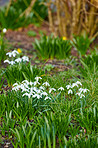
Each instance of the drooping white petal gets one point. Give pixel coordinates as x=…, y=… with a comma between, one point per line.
x=52, y=89
x=70, y=91
x=61, y=88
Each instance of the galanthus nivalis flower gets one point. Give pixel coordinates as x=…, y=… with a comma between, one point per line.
x=68, y=86
x=52, y=89
x=70, y=91
x=46, y=84
x=61, y=88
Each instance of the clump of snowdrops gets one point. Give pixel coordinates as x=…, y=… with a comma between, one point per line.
x=39, y=90
x=76, y=89
x=13, y=54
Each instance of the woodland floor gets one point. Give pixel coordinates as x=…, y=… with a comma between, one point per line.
x=20, y=39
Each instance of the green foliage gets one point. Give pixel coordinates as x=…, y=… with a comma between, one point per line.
x=63, y=120
x=50, y=47
x=16, y=9
x=81, y=43
x=31, y=33
x=2, y=49
x=20, y=72
x=90, y=66
x=48, y=67
x=91, y=61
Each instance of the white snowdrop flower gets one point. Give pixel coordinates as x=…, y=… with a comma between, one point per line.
x=78, y=93
x=26, y=85
x=7, y=61
x=12, y=62
x=25, y=58
x=9, y=54
x=85, y=90
x=25, y=90
x=47, y=98
x=46, y=84
x=35, y=83
x=38, y=91
x=35, y=89
x=81, y=96
x=52, y=89
x=36, y=95
x=44, y=94
x=18, y=60
x=74, y=84
x=22, y=86
x=78, y=83
x=31, y=83
x=15, y=84
x=68, y=86
x=61, y=88
x=37, y=78
x=15, y=52
x=16, y=88
x=32, y=90
x=42, y=88
x=4, y=30
x=25, y=82
x=27, y=94
x=70, y=91
x=81, y=90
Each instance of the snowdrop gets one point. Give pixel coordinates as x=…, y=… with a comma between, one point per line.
x=37, y=78
x=35, y=89
x=44, y=94
x=7, y=61
x=25, y=58
x=80, y=91
x=82, y=95
x=52, y=89
x=13, y=53
x=16, y=88
x=75, y=84
x=31, y=83
x=27, y=94
x=25, y=82
x=15, y=84
x=32, y=90
x=68, y=86
x=47, y=98
x=18, y=60
x=38, y=96
x=36, y=82
x=85, y=90
x=25, y=89
x=61, y=88
x=78, y=83
x=12, y=62
x=42, y=88
x=46, y=84
x=70, y=91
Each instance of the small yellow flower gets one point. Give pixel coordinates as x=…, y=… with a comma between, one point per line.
x=19, y=50
x=64, y=38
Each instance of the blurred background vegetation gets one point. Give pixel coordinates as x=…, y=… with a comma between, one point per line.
x=65, y=17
